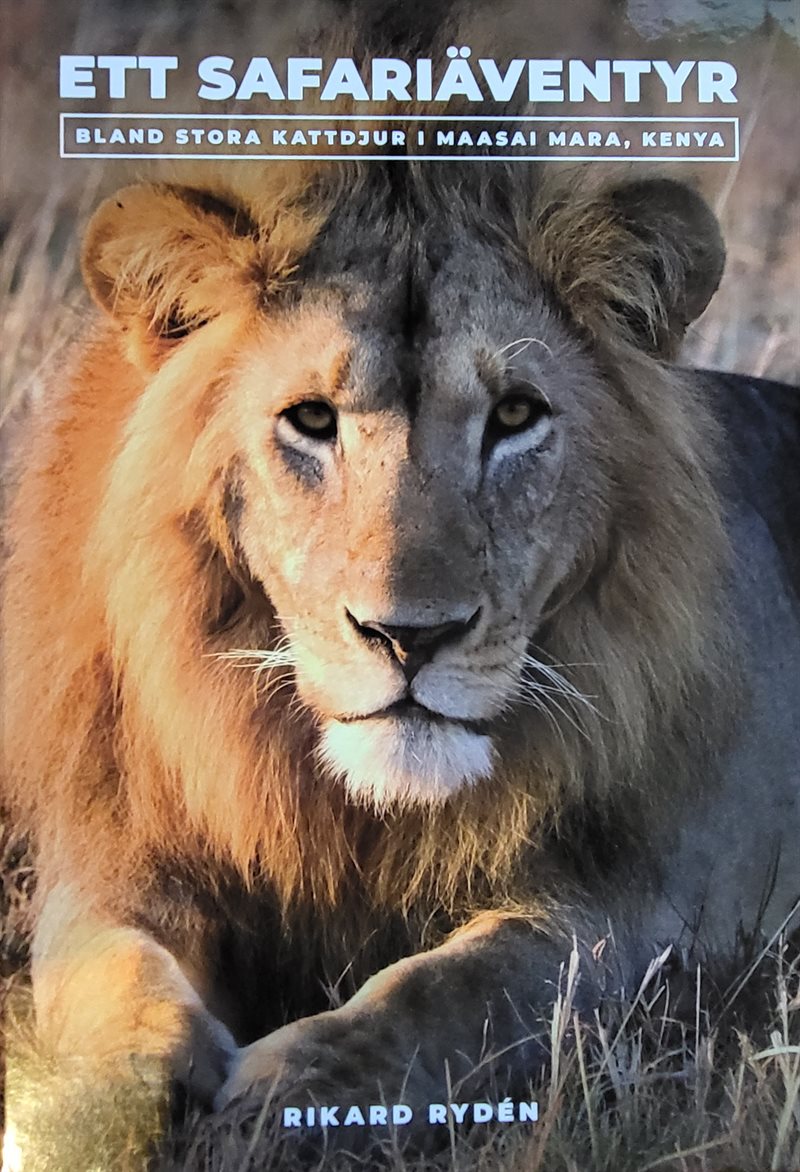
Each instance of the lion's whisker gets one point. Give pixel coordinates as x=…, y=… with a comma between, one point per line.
x=562, y=685
x=258, y=659
x=523, y=344
x=543, y=697
x=546, y=698
x=537, y=697
x=538, y=704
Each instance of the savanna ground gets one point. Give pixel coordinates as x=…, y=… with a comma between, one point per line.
x=695, y=1074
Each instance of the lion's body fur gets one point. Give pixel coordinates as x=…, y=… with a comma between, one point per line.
x=184, y=796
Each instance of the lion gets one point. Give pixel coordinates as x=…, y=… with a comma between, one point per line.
x=386, y=612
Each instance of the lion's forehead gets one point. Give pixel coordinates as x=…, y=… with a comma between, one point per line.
x=448, y=334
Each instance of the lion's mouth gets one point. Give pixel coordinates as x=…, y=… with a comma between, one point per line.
x=404, y=754
x=408, y=708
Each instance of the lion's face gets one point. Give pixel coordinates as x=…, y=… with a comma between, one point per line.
x=423, y=460
x=414, y=488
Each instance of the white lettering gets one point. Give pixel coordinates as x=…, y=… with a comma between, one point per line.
x=674, y=79
x=505, y=1111
x=715, y=81
x=344, y=79
x=390, y=79
x=501, y=86
x=215, y=73
x=76, y=77
x=260, y=78
x=458, y=79
x=158, y=68
x=117, y=72
x=544, y=81
x=302, y=73
x=582, y=81
x=632, y=71
x=424, y=80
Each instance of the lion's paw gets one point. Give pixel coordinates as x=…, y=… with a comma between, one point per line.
x=333, y=1058
x=204, y=1062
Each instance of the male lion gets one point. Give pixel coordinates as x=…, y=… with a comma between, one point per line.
x=382, y=602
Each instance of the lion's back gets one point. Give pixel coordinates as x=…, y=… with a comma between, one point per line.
x=739, y=838
x=762, y=424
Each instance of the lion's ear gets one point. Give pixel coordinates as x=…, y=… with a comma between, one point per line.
x=643, y=258
x=682, y=247
x=167, y=257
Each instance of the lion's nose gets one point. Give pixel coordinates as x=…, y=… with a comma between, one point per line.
x=414, y=646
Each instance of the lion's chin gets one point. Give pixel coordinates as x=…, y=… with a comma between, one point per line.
x=386, y=761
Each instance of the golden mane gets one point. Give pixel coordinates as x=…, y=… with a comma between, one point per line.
x=127, y=736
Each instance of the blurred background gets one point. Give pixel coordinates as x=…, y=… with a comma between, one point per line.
x=753, y=324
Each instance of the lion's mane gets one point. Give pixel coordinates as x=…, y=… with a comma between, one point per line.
x=127, y=736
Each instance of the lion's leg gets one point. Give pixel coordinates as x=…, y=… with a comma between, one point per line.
x=472, y=1013
x=108, y=993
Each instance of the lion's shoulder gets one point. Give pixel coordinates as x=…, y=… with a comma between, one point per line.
x=761, y=477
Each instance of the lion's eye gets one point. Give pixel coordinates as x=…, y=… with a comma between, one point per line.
x=514, y=413
x=313, y=419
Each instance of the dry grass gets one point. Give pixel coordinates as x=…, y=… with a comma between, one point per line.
x=640, y=1089
x=697, y=1073
x=671, y=1080
x=693, y=1074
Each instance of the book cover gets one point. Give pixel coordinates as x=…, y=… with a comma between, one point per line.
x=401, y=586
